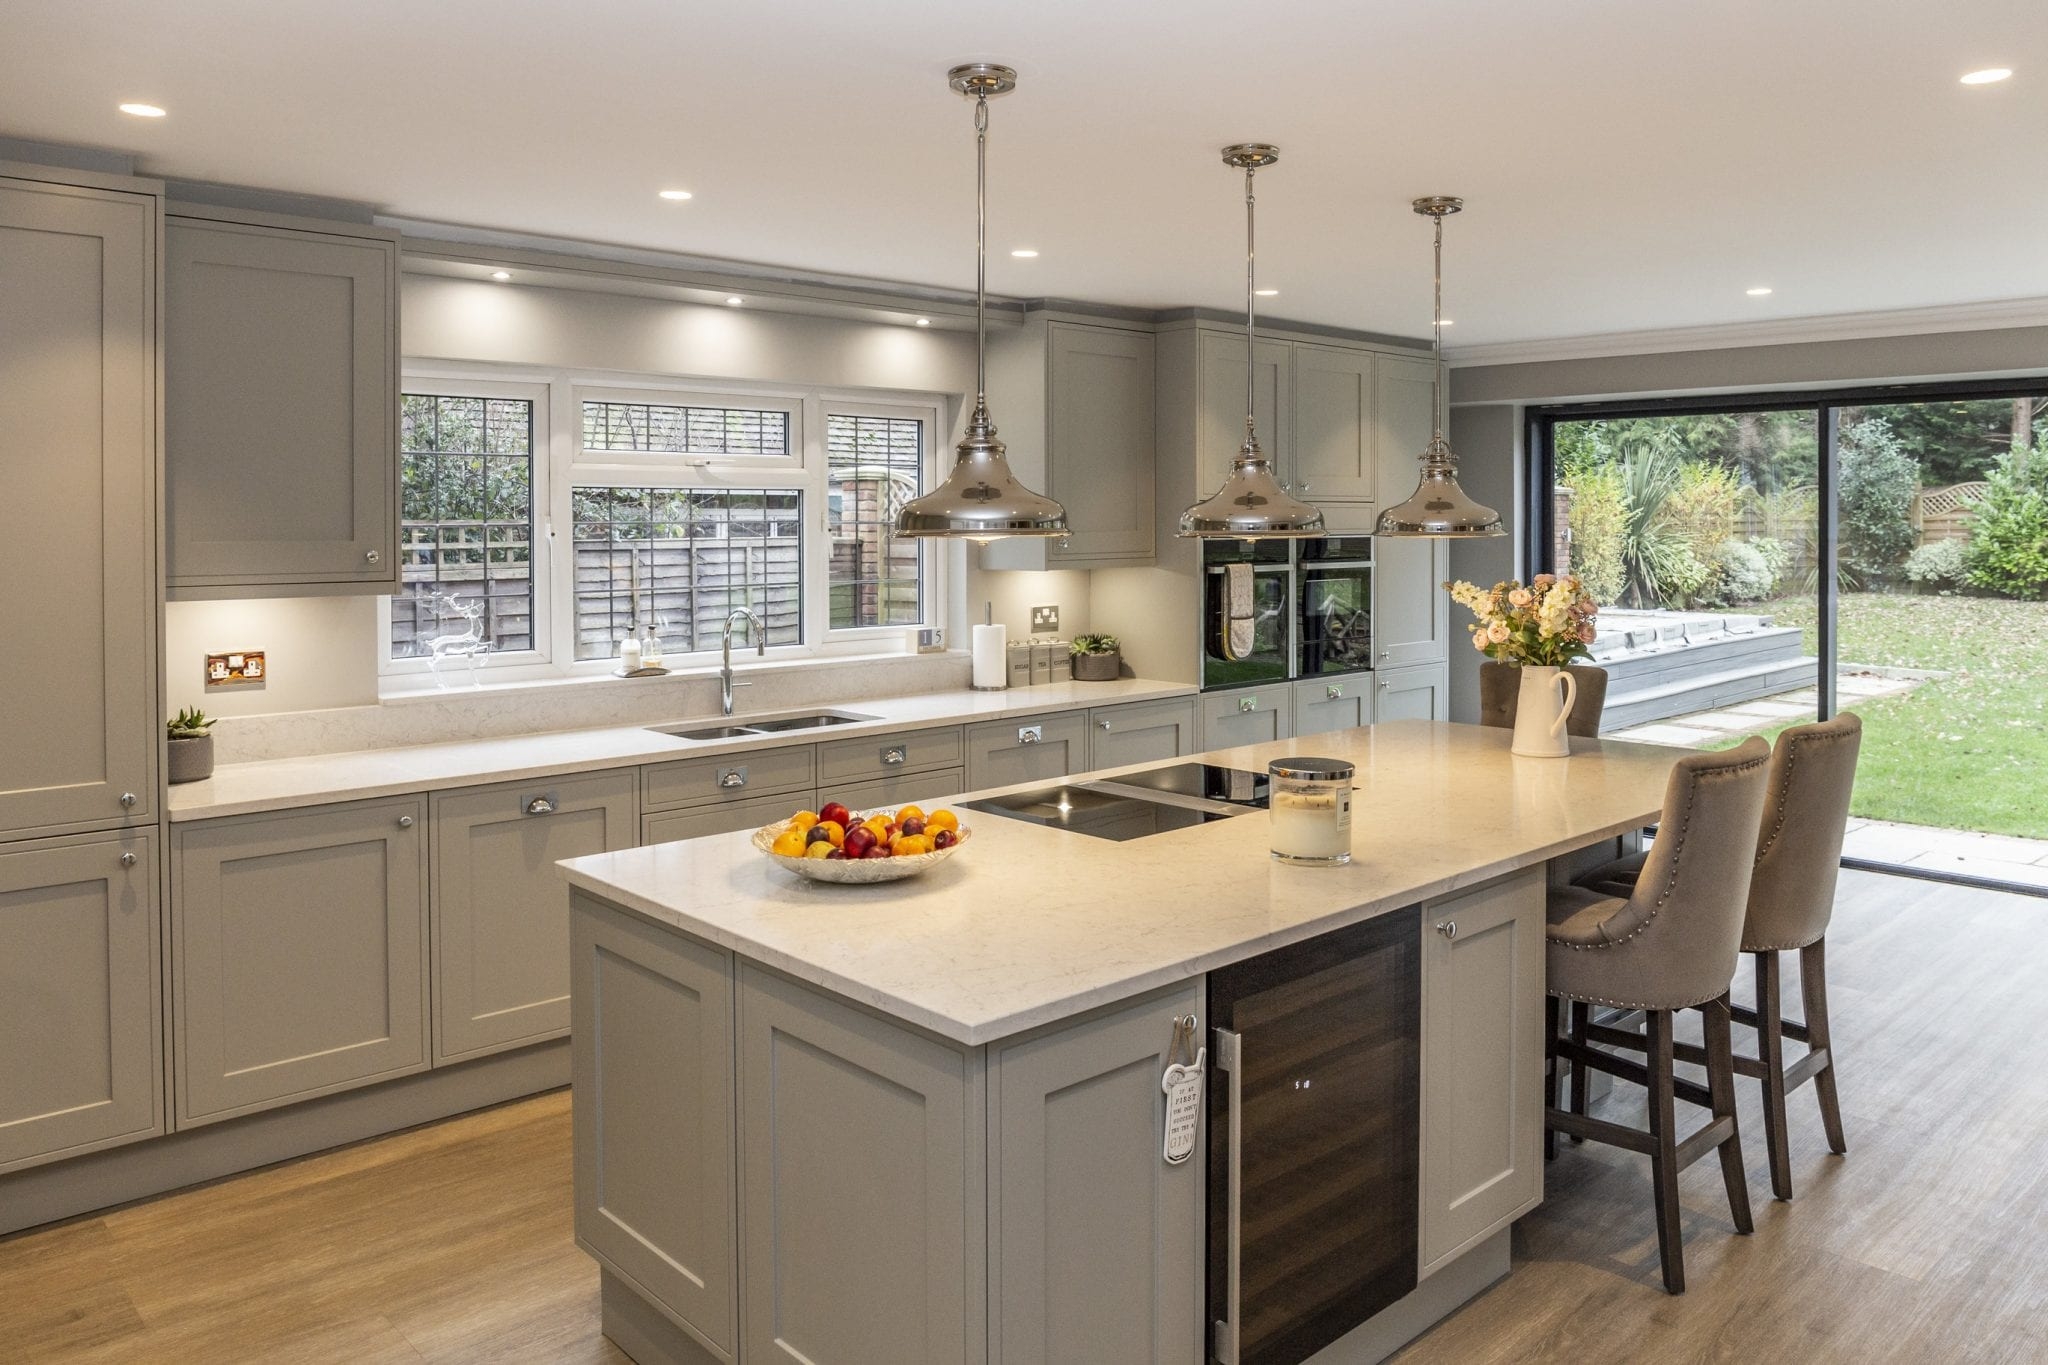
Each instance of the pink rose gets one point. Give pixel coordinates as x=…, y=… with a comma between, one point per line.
x=1521, y=597
x=1542, y=581
x=1479, y=640
x=1587, y=633
x=1497, y=632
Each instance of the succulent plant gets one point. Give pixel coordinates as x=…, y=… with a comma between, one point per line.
x=1094, y=644
x=190, y=723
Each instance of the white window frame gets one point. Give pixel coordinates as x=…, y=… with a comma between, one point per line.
x=465, y=383
x=561, y=463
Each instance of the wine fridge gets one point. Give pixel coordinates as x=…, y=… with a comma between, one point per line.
x=1313, y=1137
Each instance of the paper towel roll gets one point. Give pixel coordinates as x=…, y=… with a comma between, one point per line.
x=991, y=660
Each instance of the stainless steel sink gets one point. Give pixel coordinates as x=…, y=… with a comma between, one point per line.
x=767, y=725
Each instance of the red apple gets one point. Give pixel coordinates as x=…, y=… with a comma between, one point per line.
x=838, y=853
x=833, y=810
x=859, y=839
x=913, y=826
x=945, y=838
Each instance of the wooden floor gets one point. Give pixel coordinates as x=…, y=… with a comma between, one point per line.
x=1927, y=1243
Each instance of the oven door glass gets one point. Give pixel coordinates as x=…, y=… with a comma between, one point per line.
x=1336, y=618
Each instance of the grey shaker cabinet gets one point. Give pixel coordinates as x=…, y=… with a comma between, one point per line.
x=281, y=407
x=80, y=1005
x=1482, y=1063
x=1219, y=429
x=1412, y=693
x=1325, y=704
x=1139, y=732
x=1247, y=715
x=299, y=946
x=1002, y=753
x=861, y=1196
x=1333, y=426
x=500, y=918
x=78, y=460
x=1411, y=613
x=653, y=1070
x=1095, y=1241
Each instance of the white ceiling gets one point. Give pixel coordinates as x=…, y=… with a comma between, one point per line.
x=1626, y=164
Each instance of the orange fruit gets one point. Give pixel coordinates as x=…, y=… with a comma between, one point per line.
x=909, y=813
x=790, y=844
x=804, y=819
x=910, y=845
x=877, y=823
x=834, y=834
x=942, y=819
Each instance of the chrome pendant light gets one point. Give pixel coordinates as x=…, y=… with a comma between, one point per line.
x=1438, y=507
x=982, y=498
x=1251, y=505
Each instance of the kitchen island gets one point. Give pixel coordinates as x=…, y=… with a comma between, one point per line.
x=922, y=1121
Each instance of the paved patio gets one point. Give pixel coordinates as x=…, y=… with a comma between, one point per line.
x=2020, y=861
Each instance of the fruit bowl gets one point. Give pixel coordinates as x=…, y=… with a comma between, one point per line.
x=855, y=871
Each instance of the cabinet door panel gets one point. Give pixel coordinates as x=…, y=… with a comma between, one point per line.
x=1248, y=715
x=281, y=411
x=1412, y=693
x=1325, y=704
x=501, y=914
x=77, y=524
x=1482, y=1047
x=1099, y=434
x=1333, y=424
x=653, y=1071
x=854, y=1193
x=1001, y=753
x=1411, y=617
x=1097, y=1238
x=300, y=962
x=1143, y=731
x=80, y=1009
x=1220, y=431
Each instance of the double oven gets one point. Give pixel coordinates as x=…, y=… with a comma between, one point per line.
x=1309, y=604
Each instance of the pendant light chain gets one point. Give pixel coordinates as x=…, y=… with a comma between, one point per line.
x=981, y=256
x=1250, y=296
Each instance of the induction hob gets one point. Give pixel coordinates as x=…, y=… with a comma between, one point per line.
x=1135, y=805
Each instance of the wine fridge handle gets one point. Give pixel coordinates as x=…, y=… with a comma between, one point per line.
x=1229, y=1060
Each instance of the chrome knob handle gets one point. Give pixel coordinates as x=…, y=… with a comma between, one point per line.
x=1383, y=656
x=1247, y=705
x=127, y=860
x=1449, y=928
x=405, y=822
x=1335, y=691
x=1102, y=724
x=127, y=800
x=372, y=557
x=540, y=805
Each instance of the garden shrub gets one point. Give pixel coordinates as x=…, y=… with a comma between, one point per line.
x=1596, y=521
x=1747, y=571
x=1879, y=482
x=1939, y=566
x=2008, y=551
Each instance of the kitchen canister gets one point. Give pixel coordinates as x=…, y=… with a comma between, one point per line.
x=1311, y=810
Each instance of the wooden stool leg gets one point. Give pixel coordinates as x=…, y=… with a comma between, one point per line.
x=1770, y=1039
x=1813, y=987
x=1582, y=1078
x=1664, y=1149
x=1551, y=1065
x=1721, y=1087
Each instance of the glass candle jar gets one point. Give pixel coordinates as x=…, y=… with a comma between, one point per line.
x=1311, y=810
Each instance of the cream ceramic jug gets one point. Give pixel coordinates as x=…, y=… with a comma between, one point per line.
x=1541, y=709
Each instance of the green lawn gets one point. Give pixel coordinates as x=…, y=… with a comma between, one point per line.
x=1969, y=751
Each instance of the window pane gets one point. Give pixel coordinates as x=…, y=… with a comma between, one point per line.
x=876, y=464
x=467, y=525
x=684, y=558
x=677, y=430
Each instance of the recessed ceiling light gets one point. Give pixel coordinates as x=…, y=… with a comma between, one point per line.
x=1990, y=75
x=1448, y=323
x=677, y=195
x=1024, y=253
x=924, y=322
x=1265, y=293
x=501, y=274
x=151, y=111
x=1759, y=291
x=734, y=301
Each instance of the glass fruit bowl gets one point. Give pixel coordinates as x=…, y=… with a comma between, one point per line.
x=855, y=871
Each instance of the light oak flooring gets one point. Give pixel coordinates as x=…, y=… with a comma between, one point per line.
x=1927, y=1243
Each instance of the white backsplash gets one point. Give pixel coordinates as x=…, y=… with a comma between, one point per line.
x=463, y=713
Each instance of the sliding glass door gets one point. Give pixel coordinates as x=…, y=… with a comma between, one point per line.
x=1766, y=561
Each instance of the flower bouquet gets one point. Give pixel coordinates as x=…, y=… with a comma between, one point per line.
x=1549, y=623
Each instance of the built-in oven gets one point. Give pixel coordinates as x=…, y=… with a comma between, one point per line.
x=1333, y=606
x=1247, y=612
x=1313, y=1139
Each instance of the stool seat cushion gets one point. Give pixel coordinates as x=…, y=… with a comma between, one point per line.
x=1581, y=915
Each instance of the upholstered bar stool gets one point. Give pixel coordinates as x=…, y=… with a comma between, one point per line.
x=1670, y=944
x=1791, y=899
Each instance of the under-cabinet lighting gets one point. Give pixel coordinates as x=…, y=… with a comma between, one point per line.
x=501, y=274
x=924, y=322
x=734, y=301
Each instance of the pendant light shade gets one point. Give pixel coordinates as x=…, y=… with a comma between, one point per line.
x=1439, y=507
x=982, y=498
x=1252, y=504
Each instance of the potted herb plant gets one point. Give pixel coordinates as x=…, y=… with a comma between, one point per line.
x=1097, y=658
x=190, y=746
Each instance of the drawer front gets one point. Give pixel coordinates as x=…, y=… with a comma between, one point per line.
x=738, y=776
x=1322, y=705
x=722, y=819
x=924, y=788
x=909, y=751
x=1152, y=731
x=1001, y=753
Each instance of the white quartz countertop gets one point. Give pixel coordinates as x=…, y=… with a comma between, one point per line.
x=282, y=783
x=1028, y=925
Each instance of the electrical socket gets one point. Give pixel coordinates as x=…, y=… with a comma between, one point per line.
x=1045, y=620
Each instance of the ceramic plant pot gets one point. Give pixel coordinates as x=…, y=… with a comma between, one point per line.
x=1098, y=667
x=191, y=759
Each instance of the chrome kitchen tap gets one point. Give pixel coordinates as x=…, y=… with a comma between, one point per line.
x=725, y=682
